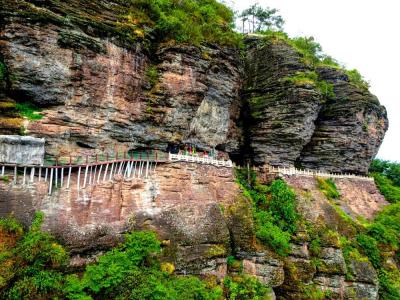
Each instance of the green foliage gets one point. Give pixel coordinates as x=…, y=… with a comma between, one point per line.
x=28, y=110
x=31, y=268
x=5, y=179
x=3, y=72
x=387, y=188
x=389, y=282
x=315, y=246
x=313, y=56
x=186, y=21
x=387, y=178
x=274, y=210
x=390, y=170
x=282, y=205
x=309, y=48
x=152, y=75
x=10, y=225
x=328, y=188
x=357, y=79
x=370, y=248
x=244, y=288
x=271, y=234
x=312, y=78
x=314, y=292
x=256, y=19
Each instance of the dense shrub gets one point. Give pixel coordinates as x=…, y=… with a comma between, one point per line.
x=33, y=266
x=328, y=188
x=357, y=79
x=244, y=288
x=186, y=21
x=387, y=187
x=390, y=170
x=312, y=78
x=28, y=110
x=387, y=178
x=274, y=210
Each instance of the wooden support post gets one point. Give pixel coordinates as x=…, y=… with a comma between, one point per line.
x=78, y=182
x=134, y=169
x=99, y=175
x=85, y=178
x=40, y=174
x=15, y=174
x=23, y=179
x=62, y=177
x=2, y=170
x=56, y=177
x=111, y=171
x=147, y=168
x=139, y=173
x=105, y=173
x=121, y=167
x=45, y=175
x=126, y=169
x=51, y=180
x=32, y=174
x=116, y=168
x=141, y=168
x=95, y=173
x=90, y=174
x=69, y=176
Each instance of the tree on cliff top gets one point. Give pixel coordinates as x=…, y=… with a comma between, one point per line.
x=258, y=19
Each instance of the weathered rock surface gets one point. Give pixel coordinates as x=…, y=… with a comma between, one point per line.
x=282, y=113
x=95, y=93
x=349, y=129
x=182, y=202
x=98, y=89
x=264, y=266
x=358, y=198
x=292, y=123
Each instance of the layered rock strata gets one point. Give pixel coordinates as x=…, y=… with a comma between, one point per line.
x=292, y=122
x=96, y=92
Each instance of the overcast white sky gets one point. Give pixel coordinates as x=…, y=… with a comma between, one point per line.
x=361, y=34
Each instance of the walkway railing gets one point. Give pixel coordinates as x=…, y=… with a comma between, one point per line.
x=94, y=169
x=294, y=171
x=200, y=160
x=76, y=160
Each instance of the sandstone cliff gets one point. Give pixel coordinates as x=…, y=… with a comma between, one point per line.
x=295, y=123
x=99, y=88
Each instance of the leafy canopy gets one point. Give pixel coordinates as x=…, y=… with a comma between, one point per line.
x=274, y=210
x=257, y=19
x=183, y=21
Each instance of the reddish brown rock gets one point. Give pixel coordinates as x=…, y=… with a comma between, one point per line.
x=176, y=202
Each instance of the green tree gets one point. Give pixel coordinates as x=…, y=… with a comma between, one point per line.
x=258, y=19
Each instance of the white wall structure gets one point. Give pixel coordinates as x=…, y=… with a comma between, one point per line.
x=22, y=150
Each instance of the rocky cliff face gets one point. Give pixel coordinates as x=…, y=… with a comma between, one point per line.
x=95, y=93
x=99, y=89
x=294, y=123
x=201, y=217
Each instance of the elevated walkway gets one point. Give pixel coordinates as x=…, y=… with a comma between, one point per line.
x=92, y=170
x=293, y=171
